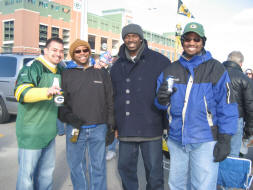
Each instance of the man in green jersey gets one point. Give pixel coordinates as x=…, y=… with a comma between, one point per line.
x=36, y=119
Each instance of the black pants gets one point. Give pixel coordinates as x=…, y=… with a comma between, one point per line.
x=153, y=162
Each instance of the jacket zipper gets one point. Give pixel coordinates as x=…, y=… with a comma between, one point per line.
x=187, y=95
x=208, y=114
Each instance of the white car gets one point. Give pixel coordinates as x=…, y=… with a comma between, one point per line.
x=10, y=65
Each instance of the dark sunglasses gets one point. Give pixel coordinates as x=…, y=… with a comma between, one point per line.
x=82, y=50
x=194, y=39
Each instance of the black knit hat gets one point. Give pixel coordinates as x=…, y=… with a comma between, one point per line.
x=132, y=29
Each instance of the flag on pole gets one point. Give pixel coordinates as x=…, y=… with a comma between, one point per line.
x=183, y=10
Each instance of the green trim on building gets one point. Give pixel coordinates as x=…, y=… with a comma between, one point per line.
x=160, y=39
x=44, y=7
x=104, y=23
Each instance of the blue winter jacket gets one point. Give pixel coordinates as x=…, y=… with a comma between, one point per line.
x=134, y=86
x=203, y=104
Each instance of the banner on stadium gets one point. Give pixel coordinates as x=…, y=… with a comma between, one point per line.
x=77, y=5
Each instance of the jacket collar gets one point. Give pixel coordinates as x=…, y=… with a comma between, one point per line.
x=195, y=61
x=231, y=64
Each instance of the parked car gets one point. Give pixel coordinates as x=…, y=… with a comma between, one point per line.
x=10, y=65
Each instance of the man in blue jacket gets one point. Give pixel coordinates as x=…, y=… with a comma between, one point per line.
x=139, y=124
x=202, y=113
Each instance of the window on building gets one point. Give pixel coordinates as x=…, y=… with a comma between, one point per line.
x=91, y=40
x=115, y=44
x=43, y=33
x=7, y=48
x=65, y=38
x=57, y=8
x=45, y=5
x=169, y=42
x=102, y=26
x=173, y=43
x=55, y=32
x=103, y=46
x=163, y=41
x=31, y=1
x=9, y=30
x=42, y=48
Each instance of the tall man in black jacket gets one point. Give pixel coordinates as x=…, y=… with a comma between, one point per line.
x=243, y=91
x=138, y=122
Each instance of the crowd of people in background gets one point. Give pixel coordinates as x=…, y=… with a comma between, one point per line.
x=125, y=102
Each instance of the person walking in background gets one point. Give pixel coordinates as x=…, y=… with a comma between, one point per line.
x=138, y=123
x=88, y=111
x=202, y=113
x=242, y=88
x=105, y=61
x=249, y=73
x=36, y=120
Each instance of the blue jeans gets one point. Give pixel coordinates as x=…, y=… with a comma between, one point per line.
x=192, y=166
x=91, y=140
x=36, y=168
x=60, y=127
x=236, y=139
x=112, y=147
x=152, y=158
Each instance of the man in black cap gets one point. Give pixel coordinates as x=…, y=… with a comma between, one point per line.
x=139, y=124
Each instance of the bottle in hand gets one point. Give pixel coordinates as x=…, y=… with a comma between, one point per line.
x=75, y=134
x=58, y=98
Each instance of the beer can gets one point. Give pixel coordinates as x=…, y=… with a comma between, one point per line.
x=170, y=81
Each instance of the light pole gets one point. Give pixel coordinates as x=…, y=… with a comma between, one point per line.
x=84, y=23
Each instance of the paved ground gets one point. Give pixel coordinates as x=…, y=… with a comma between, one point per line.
x=8, y=164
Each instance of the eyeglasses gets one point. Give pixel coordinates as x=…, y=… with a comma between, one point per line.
x=82, y=50
x=194, y=39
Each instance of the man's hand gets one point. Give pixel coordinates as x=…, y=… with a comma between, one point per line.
x=110, y=135
x=247, y=132
x=163, y=95
x=116, y=134
x=97, y=66
x=222, y=147
x=53, y=90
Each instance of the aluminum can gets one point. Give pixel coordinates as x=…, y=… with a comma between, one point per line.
x=170, y=81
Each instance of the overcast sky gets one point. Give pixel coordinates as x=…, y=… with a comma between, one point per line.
x=228, y=24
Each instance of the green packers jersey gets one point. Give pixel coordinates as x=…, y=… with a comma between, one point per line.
x=36, y=122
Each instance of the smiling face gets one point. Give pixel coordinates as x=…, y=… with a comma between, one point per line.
x=133, y=43
x=192, y=44
x=54, y=53
x=81, y=55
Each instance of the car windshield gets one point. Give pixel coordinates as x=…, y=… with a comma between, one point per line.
x=8, y=66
